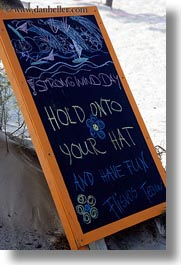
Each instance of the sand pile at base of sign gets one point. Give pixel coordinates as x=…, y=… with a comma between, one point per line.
x=28, y=218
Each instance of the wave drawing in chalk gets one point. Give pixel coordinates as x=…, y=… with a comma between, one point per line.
x=49, y=47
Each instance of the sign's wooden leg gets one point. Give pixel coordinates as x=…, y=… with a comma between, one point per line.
x=98, y=245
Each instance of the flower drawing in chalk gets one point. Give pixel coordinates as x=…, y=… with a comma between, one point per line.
x=86, y=208
x=96, y=127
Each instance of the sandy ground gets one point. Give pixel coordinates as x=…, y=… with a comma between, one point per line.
x=28, y=218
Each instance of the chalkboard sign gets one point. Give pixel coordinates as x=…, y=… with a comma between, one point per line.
x=111, y=174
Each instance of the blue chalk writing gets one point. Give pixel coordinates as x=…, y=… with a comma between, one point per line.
x=138, y=164
x=113, y=207
x=117, y=203
x=124, y=169
x=151, y=190
x=84, y=181
x=111, y=173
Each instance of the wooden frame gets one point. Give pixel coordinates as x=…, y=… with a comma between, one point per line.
x=77, y=239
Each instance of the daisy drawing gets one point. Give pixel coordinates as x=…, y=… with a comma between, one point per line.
x=96, y=127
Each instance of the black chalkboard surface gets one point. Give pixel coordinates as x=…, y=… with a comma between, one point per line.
x=96, y=138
